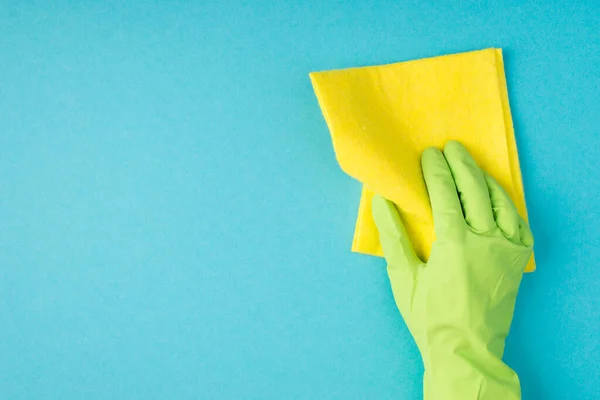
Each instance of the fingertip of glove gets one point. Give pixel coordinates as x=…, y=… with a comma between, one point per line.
x=379, y=205
x=454, y=146
x=431, y=154
x=383, y=211
x=526, y=234
x=377, y=199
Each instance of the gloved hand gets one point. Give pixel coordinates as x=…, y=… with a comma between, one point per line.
x=459, y=305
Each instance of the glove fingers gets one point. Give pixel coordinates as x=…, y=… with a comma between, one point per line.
x=395, y=242
x=505, y=213
x=472, y=189
x=447, y=211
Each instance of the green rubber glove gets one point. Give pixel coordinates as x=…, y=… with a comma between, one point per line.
x=459, y=305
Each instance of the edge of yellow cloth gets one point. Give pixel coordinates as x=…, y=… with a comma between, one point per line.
x=515, y=166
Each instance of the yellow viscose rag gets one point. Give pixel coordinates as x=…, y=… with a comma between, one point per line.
x=381, y=119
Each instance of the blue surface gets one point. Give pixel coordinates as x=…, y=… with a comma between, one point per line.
x=173, y=223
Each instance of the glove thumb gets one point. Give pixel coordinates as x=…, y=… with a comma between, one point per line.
x=397, y=247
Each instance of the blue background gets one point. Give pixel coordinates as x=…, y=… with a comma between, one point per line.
x=173, y=223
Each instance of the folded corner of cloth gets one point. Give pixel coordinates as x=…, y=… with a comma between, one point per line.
x=381, y=118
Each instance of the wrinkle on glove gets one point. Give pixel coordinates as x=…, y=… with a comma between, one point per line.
x=382, y=118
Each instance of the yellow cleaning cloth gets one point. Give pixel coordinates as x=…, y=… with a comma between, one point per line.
x=382, y=118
